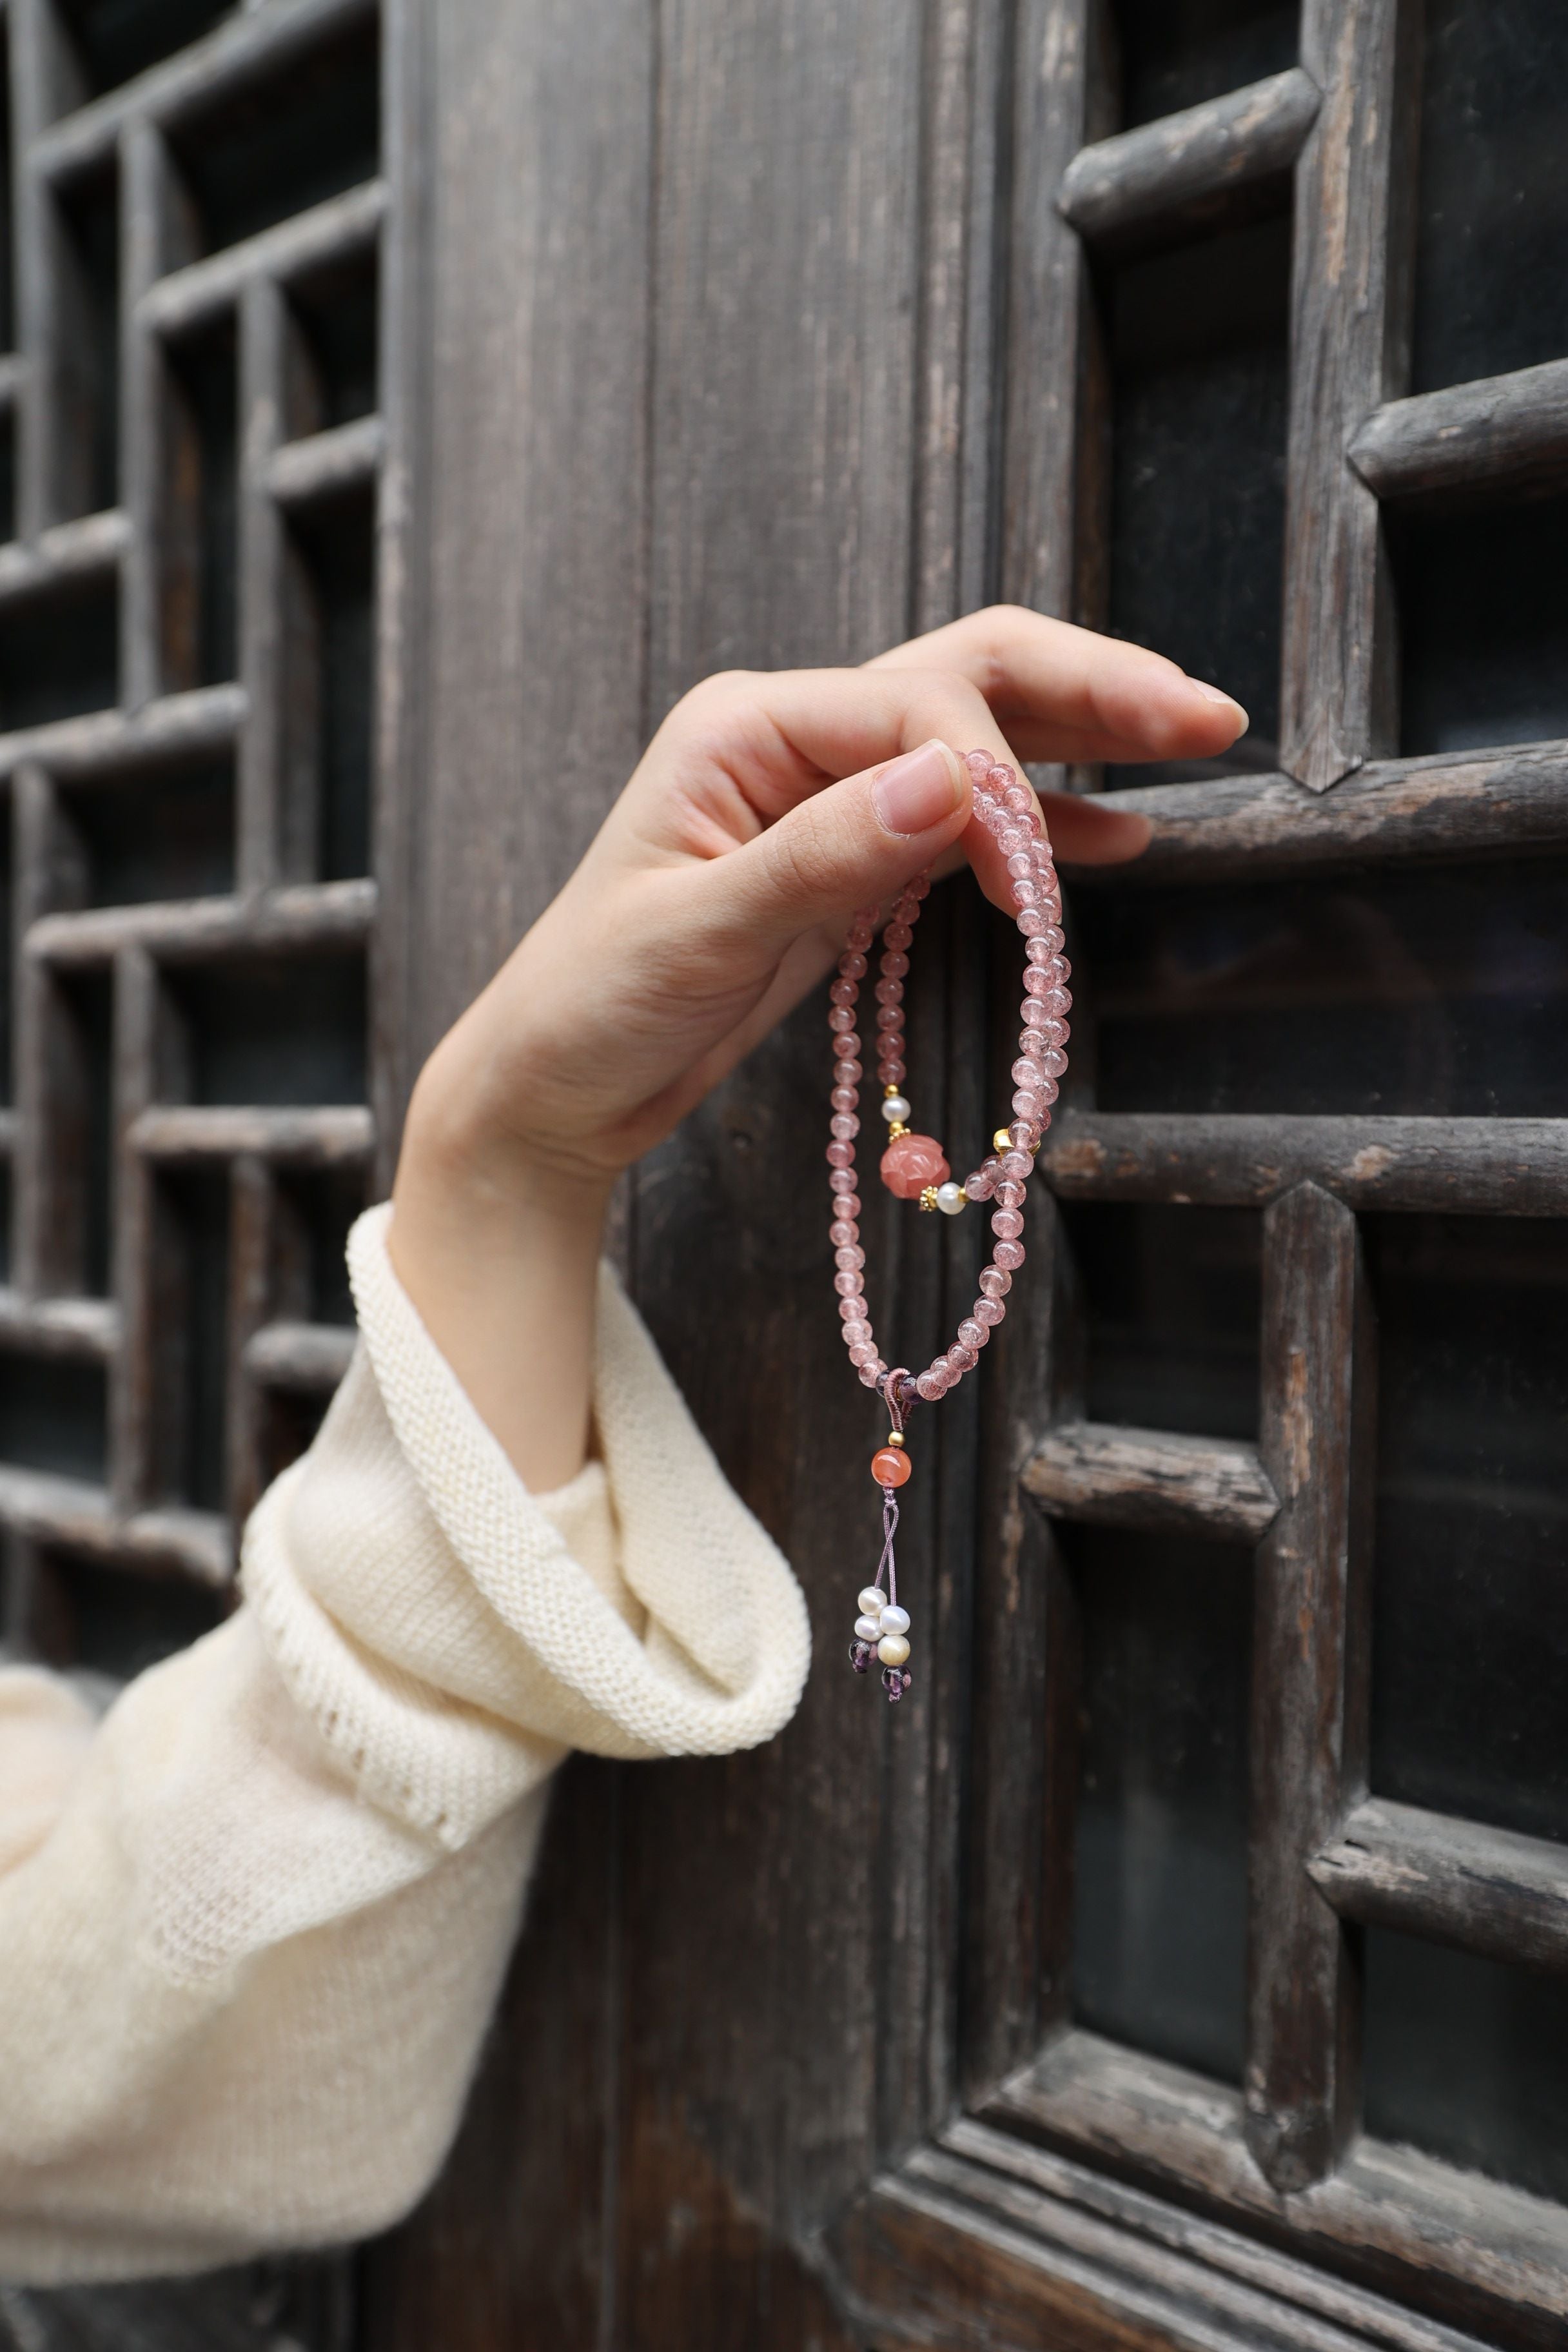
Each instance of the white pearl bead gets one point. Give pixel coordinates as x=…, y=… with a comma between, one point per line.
x=870, y=1599
x=868, y=1629
x=894, y=1107
x=894, y=1620
x=951, y=1198
x=892, y=1649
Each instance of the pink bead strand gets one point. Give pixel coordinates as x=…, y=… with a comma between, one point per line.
x=1006, y=808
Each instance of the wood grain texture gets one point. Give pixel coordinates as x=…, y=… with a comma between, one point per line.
x=1150, y=1478
x=1462, y=1882
x=1506, y=435
x=1474, y=2254
x=782, y=530
x=1465, y=803
x=1500, y=1167
x=1175, y=177
x=1337, y=688
x=1311, y=1635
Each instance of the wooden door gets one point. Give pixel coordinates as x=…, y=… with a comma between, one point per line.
x=1092, y=2001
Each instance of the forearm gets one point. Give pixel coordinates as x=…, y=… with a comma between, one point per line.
x=499, y=1256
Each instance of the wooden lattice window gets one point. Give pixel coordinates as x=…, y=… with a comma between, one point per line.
x=191, y=449
x=1270, y=1865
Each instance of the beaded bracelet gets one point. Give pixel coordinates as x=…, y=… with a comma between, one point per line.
x=914, y=1167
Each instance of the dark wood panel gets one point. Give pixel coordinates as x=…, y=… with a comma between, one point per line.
x=789, y=187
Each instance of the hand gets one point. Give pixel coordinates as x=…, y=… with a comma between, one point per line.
x=716, y=895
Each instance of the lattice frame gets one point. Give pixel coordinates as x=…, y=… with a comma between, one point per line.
x=119, y=1302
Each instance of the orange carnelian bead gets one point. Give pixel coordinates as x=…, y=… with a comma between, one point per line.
x=890, y=1467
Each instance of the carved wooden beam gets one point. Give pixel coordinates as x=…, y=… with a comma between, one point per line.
x=1168, y=174
x=1150, y=1478
x=1507, y=432
x=1484, y=1890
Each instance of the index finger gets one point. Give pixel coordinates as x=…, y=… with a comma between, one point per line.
x=1067, y=693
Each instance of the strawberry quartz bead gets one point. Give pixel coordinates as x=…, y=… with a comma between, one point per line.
x=910, y=1163
x=890, y=1465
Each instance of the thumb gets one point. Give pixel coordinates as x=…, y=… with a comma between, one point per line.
x=852, y=843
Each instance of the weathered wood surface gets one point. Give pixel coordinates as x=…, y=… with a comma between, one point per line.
x=1306, y=2292
x=1047, y=307
x=1150, y=1478
x=112, y=744
x=1173, y=177
x=336, y=1135
x=1311, y=1634
x=1252, y=826
x=1474, y=2253
x=300, y=919
x=84, y=1329
x=984, y=2239
x=1501, y=1167
x=224, y=63
x=512, y=707
x=345, y=458
x=310, y=1358
x=1027, y=1689
x=191, y=297
x=67, y=553
x=1508, y=433
x=1336, y=706
x=1462, y=1882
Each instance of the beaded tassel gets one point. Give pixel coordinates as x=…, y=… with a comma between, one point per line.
x=882, y=1626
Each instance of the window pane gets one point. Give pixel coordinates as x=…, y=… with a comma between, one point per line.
x=1422, y=989
x=1176, y=53
x=1200, y=385
x=1483, y=618
x=1469, y=2060
x=1491, y=275
x=1471, y=1583
x=1160, y=1909
x=1173, y=1300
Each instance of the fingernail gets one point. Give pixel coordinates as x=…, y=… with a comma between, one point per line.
x=1213, y=694
x=919, y=790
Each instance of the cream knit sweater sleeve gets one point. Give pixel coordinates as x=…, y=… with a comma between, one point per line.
x=253, y=1924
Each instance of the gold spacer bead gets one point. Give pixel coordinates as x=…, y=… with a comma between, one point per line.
x=895, y=1436
x=928, y=1197
x=888, y=1092
x=895, y=1129
x=999, y=1141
